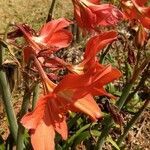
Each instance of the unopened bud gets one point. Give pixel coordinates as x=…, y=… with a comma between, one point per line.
x=141, y=37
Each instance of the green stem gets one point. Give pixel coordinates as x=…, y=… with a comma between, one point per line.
x=125, y=93
x=6, y=94
x=49, y=17
x=106, y=129
x=140, y=84
x=35, y=96
x=104, y=134
x=21, y=129
x=132, y=121
x=24, y=109
x=7, y=100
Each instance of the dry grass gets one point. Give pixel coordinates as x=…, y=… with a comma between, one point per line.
x=32, y=12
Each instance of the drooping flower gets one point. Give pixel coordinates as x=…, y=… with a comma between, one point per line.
x=54, y=34
x=93, y=46
x=91, y=15
x=49, y=116
x=51, y=37
x=136, y=10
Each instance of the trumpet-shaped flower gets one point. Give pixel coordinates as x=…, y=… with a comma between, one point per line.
x=51, y=37
x=73, y=93
x=135, y=10
x=89, y=15
x=44, y=121
x=49, y=114
x=93, y=46
x=91, y=82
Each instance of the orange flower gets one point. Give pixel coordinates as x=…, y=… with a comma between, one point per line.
x=44, y=121
x=91, y=82
x=135, y=10
x=49, y=114
x=89, y=15
x=93, y=46
x=51, y=37
x=74, y=92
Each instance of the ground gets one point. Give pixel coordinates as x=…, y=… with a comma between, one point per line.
x=31, y=12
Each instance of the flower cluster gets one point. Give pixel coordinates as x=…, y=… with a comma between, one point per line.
x=76, y=91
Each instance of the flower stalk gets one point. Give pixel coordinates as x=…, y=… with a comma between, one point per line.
x=49, y=17
x=140, y=84
x=6, y=94
x=24, y=109
x=104, y=134
x=35, y=95
x=7, y=101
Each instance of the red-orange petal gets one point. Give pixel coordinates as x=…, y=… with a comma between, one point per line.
x=53, y=34
x=88, y=106
x=32, y=119
x=94, y=1
x=54, y=26
x=60, y=39
x=43, y=137
x=109, y=77
x=97, y=43
x=107, y=14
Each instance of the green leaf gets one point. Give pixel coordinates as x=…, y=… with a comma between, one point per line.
x=1, y=143
x=128, y=71
x=110, y=58
x=85, y=136
x=70, y=141
x=114, y=144
x=58, y=147
x=73, y=119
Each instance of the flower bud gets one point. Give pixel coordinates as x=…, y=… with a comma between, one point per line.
x=141, y=37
